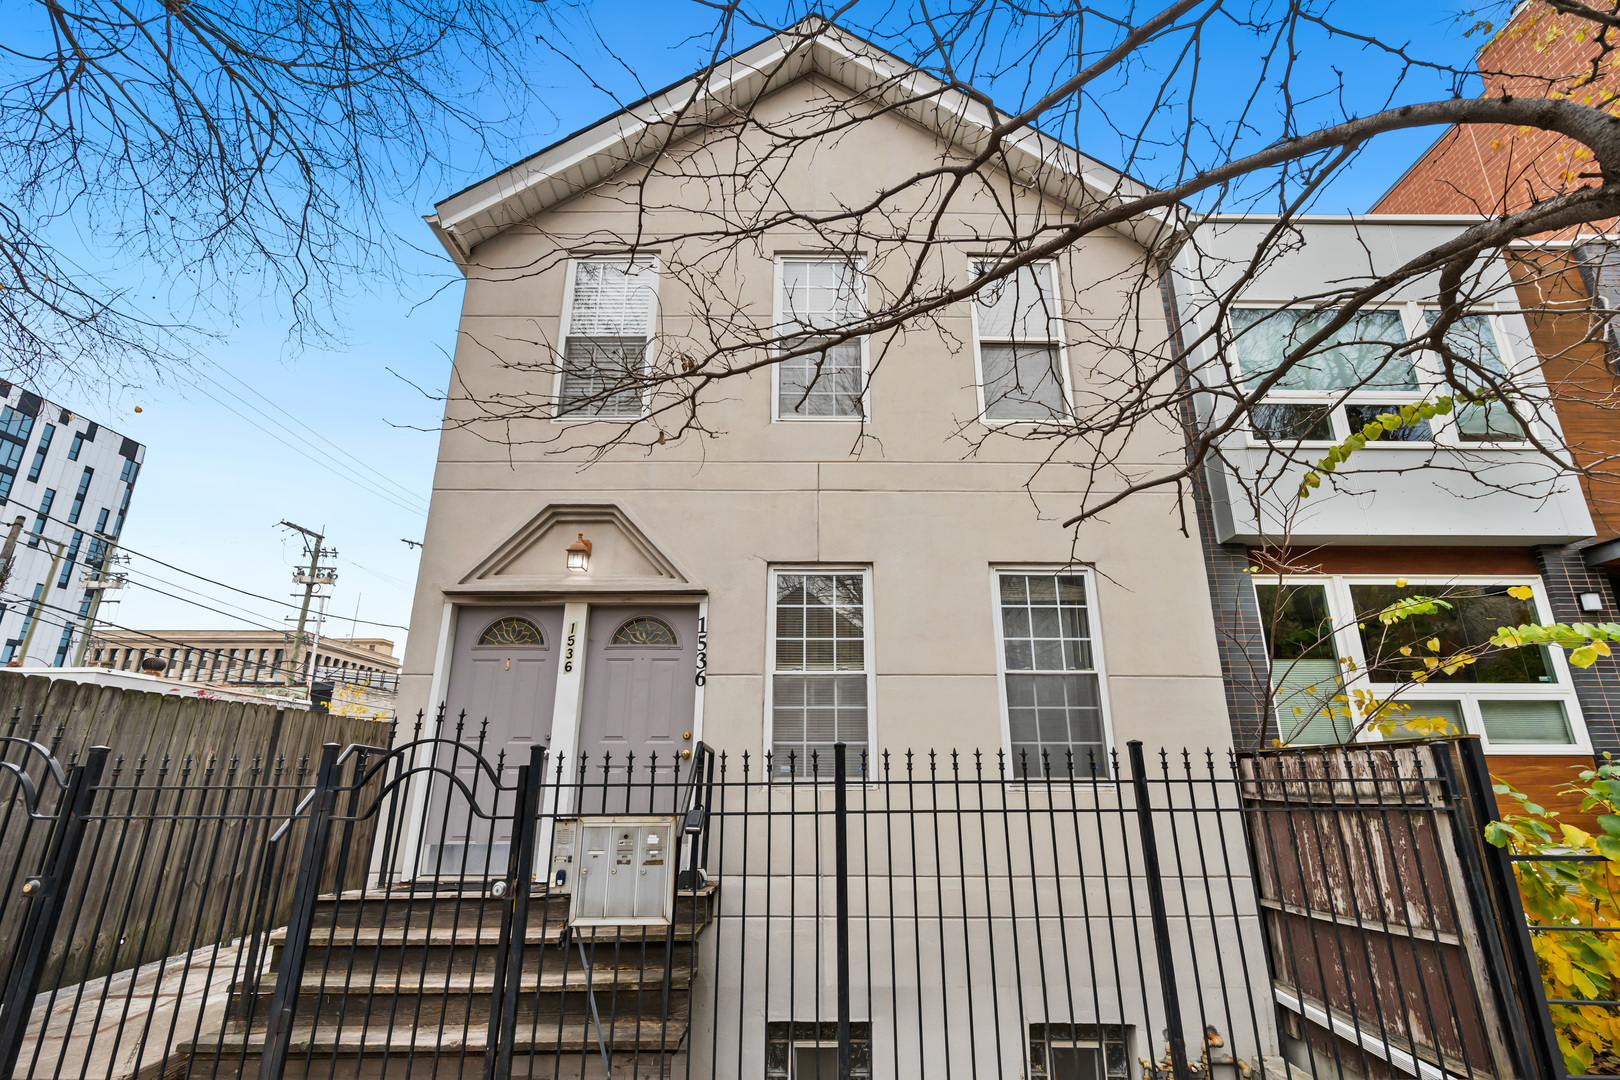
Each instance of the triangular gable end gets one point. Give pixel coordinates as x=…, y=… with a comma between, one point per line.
x=584, y=159
x=534, y=558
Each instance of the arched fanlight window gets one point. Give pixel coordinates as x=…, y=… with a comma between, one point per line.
x=513, y=631
x=645, y=630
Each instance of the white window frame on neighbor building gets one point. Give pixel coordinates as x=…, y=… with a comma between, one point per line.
x=1055, y=337
x=1347, y=643
x=1099, y=666
x=565, y=328
x=771, y=670
x=1427, y=374
x=779, y=321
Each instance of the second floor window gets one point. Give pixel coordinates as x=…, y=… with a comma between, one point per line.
x=607, y=325
x=817, y=295
x=1364, y=368
x=1020, y=350
x=44, y=515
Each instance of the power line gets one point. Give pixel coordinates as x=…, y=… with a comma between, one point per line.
x=408, y=492
x=180, y=569
x=206, y=607
x=329, y=466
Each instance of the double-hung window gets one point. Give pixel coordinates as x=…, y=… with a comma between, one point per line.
x=1051, y=676
x=820, y=675
x=607, y=325
x=1365, y=368
x=1016, y=324
x=815, y=296
x=1518, y=700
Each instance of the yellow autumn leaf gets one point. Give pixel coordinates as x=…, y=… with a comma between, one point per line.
x=1434, y=644
x=1520, y=592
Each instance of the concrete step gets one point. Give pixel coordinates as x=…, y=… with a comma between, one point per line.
x=455, y=999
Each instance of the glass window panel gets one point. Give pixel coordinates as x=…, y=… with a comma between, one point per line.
x=612, y=299
x=820, y=293
x=1066, y=719
x=1449, y=711
x=1357, y=355
x=1490, y=421
x=1524, y=722
x=1022, y=382
x=1296, y=621
x=818, y=631
x=1473, y=613
x=1359, y=416
x=827, y=383
x=1474, y=337
x=1019, y=306
x=1272, y=421
x=602, y=377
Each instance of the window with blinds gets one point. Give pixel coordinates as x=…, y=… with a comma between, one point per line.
x=817, y=295
x=1020, y=358
x=819, y=674
x=1052, y=680
x=606, y=328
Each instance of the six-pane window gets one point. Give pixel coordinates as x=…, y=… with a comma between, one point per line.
x=819, y=673
x=607, y=328
x=1054, y=697
x=1020, y=359
x=818, y=295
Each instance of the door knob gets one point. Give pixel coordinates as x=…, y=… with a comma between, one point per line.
x=686, y=753
x=686, y=734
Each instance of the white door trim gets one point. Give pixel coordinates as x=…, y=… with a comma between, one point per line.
x=411, y=852
x=570, y=701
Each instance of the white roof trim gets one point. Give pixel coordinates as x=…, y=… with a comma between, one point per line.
x=468, y=218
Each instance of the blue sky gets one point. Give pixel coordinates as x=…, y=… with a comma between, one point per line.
x=214, y=486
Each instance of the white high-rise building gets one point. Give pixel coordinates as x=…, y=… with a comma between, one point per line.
x=69, y=479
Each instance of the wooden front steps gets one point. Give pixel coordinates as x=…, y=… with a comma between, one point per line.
x=403, y=980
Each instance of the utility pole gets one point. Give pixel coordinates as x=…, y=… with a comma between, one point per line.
x=316, y=574
x=10, y=549
x=97, y=581
x=39, y=601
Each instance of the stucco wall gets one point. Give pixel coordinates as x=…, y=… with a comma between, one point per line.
x=928, y=498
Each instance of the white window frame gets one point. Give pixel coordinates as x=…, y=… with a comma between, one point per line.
x=1426, y=367
x=1347, y=642
x=1099, y=663
x=565, y=325
x=779, y=325
x=770, y=661
x=1058, y=340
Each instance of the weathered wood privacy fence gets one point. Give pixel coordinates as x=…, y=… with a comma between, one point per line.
x=1166, y=915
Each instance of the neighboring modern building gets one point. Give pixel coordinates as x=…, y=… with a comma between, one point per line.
x=1562, y=280
x=1463, y=506
x=69, y=481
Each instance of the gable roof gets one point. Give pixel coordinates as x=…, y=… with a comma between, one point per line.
x=811, y=46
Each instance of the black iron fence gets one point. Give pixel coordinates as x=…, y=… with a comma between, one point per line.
x=428, y=908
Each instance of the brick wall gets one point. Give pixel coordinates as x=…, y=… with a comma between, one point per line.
x=1490, y=169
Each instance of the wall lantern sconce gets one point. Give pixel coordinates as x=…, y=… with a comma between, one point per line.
x=1591, y=601
x=579, y=555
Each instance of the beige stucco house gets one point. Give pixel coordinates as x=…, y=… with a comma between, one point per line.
x=874, y=556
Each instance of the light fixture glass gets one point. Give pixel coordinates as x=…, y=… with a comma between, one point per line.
x=1591, y=601
x=579, y=555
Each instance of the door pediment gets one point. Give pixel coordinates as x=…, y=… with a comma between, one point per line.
x=534, y=557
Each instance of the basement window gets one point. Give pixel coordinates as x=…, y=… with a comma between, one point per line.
x=808, y=1049
x=1078, y=1052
